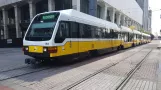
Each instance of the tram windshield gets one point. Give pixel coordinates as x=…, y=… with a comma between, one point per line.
x=42, y=27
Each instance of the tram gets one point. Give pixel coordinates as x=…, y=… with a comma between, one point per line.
x=69, y=34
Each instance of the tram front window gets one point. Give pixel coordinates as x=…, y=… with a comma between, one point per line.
x=42, y=27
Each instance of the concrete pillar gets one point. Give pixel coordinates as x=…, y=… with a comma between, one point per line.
x=138, y=26
x=93, y=7
x=118, y=19
x=17, y=21
x=112, y=15
x=32, y=9
x=132, y=23
x=5, y=22
x=76, y=4
x=123, y=20
x=126, y=21
x=51, y=5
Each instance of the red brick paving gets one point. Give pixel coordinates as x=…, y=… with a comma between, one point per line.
x=5, y=88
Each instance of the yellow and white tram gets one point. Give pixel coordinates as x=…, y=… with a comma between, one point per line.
x=127, y=37
x=146, y=38
x=137, y=37
x=69, y=34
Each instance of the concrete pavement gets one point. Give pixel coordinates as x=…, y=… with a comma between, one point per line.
x=60, y=77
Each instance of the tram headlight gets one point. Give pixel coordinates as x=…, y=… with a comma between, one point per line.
x=26, y=48
x=45, y=49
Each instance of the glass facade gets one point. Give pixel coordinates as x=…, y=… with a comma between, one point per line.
x=98, y=11
x=84, y=6
x=42, y=6
x=63, y=4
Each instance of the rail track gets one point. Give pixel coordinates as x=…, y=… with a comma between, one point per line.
x=125, y=80
x=25, y=70
x=17, y=72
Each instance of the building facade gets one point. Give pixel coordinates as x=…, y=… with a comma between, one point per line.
x=150, y=21
x=15, y=15
x=146, y=19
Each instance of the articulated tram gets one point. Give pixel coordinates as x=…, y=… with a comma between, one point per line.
x=71, y=34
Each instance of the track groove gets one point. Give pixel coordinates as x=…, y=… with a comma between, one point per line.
x=18, y=75
x=95, y=73
x=132, y=72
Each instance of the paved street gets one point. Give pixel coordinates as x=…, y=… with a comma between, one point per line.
x=11, y=58
x=106, y=72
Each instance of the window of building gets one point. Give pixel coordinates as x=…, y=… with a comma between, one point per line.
x=115, y=18
x=108, y=15
x=84, y=6
x=1, y=34
x=98, y=11
x=41, y=6
x=63, y=4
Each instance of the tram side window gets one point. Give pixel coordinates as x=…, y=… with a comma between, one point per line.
x=74, y=30
x=99, y=32
x=85, y=31
x=107, y=33
x=114, y=34
x=103, y=31
x=88, y=31
x=63, y=32
x=93, y=31
x=96, y=33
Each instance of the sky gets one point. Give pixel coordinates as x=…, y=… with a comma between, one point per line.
x=155, y=6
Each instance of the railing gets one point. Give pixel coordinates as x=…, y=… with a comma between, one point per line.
x=11, y=21
x=25, y=21
x=1, y=22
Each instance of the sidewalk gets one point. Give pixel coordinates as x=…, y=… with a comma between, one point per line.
x=159, y=71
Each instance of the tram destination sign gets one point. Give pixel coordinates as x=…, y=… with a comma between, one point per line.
x=48, y=17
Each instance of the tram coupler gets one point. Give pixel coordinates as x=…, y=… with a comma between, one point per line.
x=31, y=61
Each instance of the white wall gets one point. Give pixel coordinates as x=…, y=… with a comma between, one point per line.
x=128, y=7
